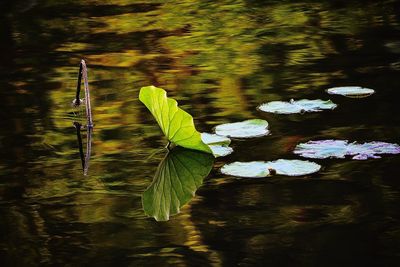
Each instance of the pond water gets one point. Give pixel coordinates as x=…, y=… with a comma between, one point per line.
x=220, y=60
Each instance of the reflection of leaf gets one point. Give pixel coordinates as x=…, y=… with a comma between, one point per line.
x=243, y=129
x=323, y=149
x=299, y=106
x=259, y=169
x=176, y=180
x=351, y=91
x=176, y=124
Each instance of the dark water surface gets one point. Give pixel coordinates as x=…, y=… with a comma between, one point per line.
x=220, y=60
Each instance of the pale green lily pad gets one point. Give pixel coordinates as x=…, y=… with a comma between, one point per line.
x=176, y=124
x=214, y=139
x=221, y=151
x=218, y=144
x=260, y=169
x=294, y=167
x=256, y=169
x=351, y=91
x=177, y=178
x=297, y=106
x=244, y=129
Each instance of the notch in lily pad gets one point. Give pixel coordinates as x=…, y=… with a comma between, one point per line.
x=261, y=169
x=297, y=106
x=351, y=91
x=323, y=149
x=218, y=144
x=244, y=129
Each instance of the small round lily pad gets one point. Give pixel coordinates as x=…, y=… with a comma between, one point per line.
x=244, y=129
x=260, y=169
x=297, y=106
x=351, y=91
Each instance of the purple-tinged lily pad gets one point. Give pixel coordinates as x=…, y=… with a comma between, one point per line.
x=260, y=169
x=297, y=106
x=341, y=148
x=351, y=91
x=372, y=150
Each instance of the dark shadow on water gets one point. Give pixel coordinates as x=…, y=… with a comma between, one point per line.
x=85, y=158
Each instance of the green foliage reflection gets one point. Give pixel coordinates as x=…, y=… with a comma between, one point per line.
x=177, y=178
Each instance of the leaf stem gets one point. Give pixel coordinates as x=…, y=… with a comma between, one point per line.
x=168, y=146
x=77, y=102
x=87, y=95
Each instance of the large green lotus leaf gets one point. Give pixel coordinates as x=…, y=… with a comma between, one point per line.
x=176, y=124
x=177, y=178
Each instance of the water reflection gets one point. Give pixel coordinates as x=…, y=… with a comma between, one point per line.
x=85, y=158
x=220, y=59
x=177, y=178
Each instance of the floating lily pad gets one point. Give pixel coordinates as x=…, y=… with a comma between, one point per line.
x=322, y=149
x=351, y=91
x=214, y=139
x=341, y=148
x=259, y=169
x=221, y=151
x=299, y=106
x=293, y=167
x=372, y=150
x=219, y=144
x=244, y=129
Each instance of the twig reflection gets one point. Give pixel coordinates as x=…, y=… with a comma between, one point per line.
x=85, y=158
x=89, y=126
